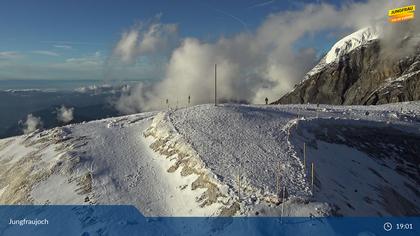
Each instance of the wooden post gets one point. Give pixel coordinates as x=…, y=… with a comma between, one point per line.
x=215, y=84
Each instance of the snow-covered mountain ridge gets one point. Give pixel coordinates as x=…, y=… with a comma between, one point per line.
x=225, y=160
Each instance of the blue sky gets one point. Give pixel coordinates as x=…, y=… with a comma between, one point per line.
x=38, y=39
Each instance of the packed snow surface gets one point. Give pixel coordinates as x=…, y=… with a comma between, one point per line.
x=226, y=160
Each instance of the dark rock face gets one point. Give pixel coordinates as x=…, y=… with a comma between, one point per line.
x=364, y=76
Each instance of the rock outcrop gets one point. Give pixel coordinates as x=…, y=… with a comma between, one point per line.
x=366, y=75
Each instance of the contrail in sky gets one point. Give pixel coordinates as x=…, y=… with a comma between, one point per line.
x=262, y=4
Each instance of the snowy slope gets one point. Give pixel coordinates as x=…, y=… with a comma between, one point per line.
x=225, y=160
x=100, y=162
x=241, y=165
x=261, y=144
x=362, y=168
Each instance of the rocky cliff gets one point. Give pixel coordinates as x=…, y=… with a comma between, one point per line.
x=357, y=70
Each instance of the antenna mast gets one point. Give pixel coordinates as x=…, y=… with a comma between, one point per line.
x=215, y=84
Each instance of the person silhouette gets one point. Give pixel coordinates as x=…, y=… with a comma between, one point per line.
x=266, y=101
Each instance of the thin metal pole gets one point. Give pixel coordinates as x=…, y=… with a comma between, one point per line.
x=304, y=157
x=282, y=203
x=277, y=185
x=239, y=184
x=215, y=84
x=312, y=179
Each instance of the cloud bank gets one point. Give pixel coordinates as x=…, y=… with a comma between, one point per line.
x=251, y=65
x=64, y=114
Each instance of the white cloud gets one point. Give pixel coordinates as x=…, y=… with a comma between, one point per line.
x=84, y=67
x=126, y=47
x=65, y=114
x=46, y=53
x=62, y=42
x=144, y=39
x=31, y=124
x=94, y=59
x=133, y=100
x=89, y=66
x=9, y=55
x=252, y=66
x=63, y=46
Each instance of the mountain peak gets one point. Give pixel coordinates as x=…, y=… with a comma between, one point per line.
x=345, y=46
x=350, y=42
x=367, y=75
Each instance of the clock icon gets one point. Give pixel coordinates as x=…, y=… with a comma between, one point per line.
x=387, y=226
